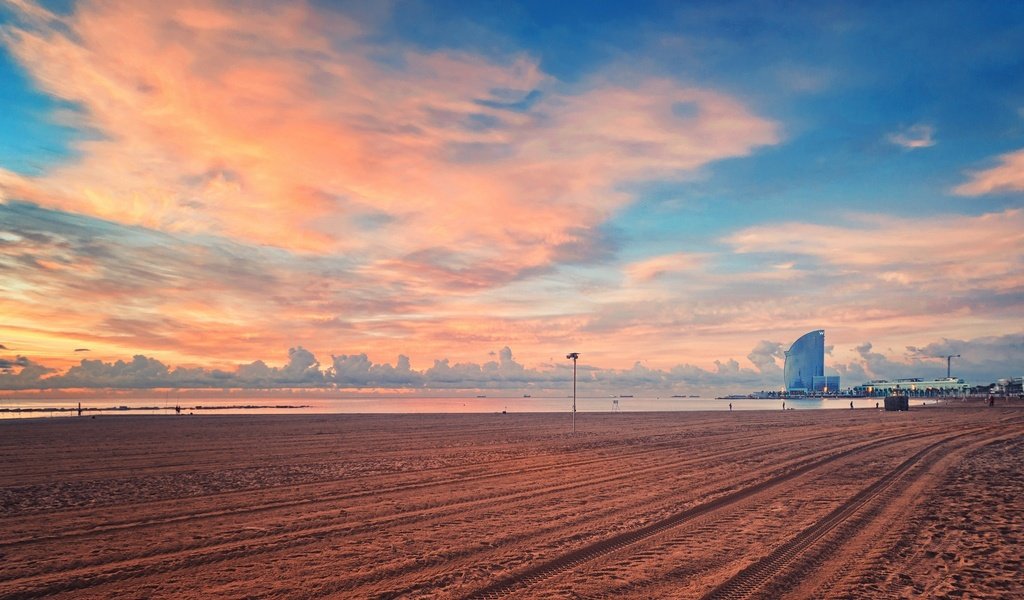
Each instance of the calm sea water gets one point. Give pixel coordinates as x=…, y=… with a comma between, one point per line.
x=407, y=404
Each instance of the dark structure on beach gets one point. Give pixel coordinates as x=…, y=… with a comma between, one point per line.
x=897, y=402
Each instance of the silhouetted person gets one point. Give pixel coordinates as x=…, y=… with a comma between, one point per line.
x=876, y=406
x=79, y=409
x=783, y=405
x=730, y=406
x=851, y=404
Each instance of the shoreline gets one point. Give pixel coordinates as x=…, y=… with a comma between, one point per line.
x=22, y=414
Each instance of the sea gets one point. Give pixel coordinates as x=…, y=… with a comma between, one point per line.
x=21, y=408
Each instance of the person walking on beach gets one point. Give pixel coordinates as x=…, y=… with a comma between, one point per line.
x=783, y=405
x=851, y=404
x=730, y=406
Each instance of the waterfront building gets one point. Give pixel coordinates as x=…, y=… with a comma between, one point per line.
x=1009, y=385
x=805, y=366
x=947, y=386
x=825, y=383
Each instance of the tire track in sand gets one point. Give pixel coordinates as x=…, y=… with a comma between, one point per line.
x=220, y=550
x=534, y=575
x=192, y=515
x=759, y=575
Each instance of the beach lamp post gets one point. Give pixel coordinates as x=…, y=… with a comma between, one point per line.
x=573, y=356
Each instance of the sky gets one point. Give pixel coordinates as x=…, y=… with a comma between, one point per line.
x=420, y=195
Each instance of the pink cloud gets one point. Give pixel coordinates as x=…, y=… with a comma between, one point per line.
x=666, y=264
x=278, y=128
x=945, y=252
x=1008, y=176
x=428, y=171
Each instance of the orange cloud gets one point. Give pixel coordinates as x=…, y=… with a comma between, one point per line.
x=438, y=176
x=286, y=128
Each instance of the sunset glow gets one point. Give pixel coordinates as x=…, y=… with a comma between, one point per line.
x=433, y=196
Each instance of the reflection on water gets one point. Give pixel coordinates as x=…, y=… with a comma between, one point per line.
x=34, y=408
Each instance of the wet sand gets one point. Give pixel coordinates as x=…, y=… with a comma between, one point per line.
x=801, y=504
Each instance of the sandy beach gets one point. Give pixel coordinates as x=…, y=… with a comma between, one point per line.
x=753, y=504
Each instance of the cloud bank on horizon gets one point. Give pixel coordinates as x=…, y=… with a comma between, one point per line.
x=987, y=358
x=200, y=183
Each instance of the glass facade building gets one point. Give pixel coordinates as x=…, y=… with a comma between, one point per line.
x=805, y=361
x=825, y=383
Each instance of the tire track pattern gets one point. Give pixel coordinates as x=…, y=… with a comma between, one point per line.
x=515, y=583
x=414, y=542
x=235, y=511
x=299, y=535
x=750, y=580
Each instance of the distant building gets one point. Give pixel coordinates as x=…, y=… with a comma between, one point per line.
x=947, y=386
x=805, y=365
x=825, y=383
x=1010, y=385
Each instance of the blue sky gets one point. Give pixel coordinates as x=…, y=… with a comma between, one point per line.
x=660, y=183
x=31, y=137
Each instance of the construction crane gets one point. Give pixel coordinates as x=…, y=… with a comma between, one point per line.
x=949, y=358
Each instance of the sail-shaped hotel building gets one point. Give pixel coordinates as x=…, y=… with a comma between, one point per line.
x=805, y=365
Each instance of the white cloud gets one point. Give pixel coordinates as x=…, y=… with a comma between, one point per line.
x=916, y=136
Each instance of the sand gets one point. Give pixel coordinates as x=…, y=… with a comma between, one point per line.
x=801, y=504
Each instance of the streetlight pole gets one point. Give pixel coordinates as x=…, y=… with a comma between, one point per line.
x=573, y=356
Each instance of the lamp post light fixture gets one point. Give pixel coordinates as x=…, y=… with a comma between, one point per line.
x=573, y=356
